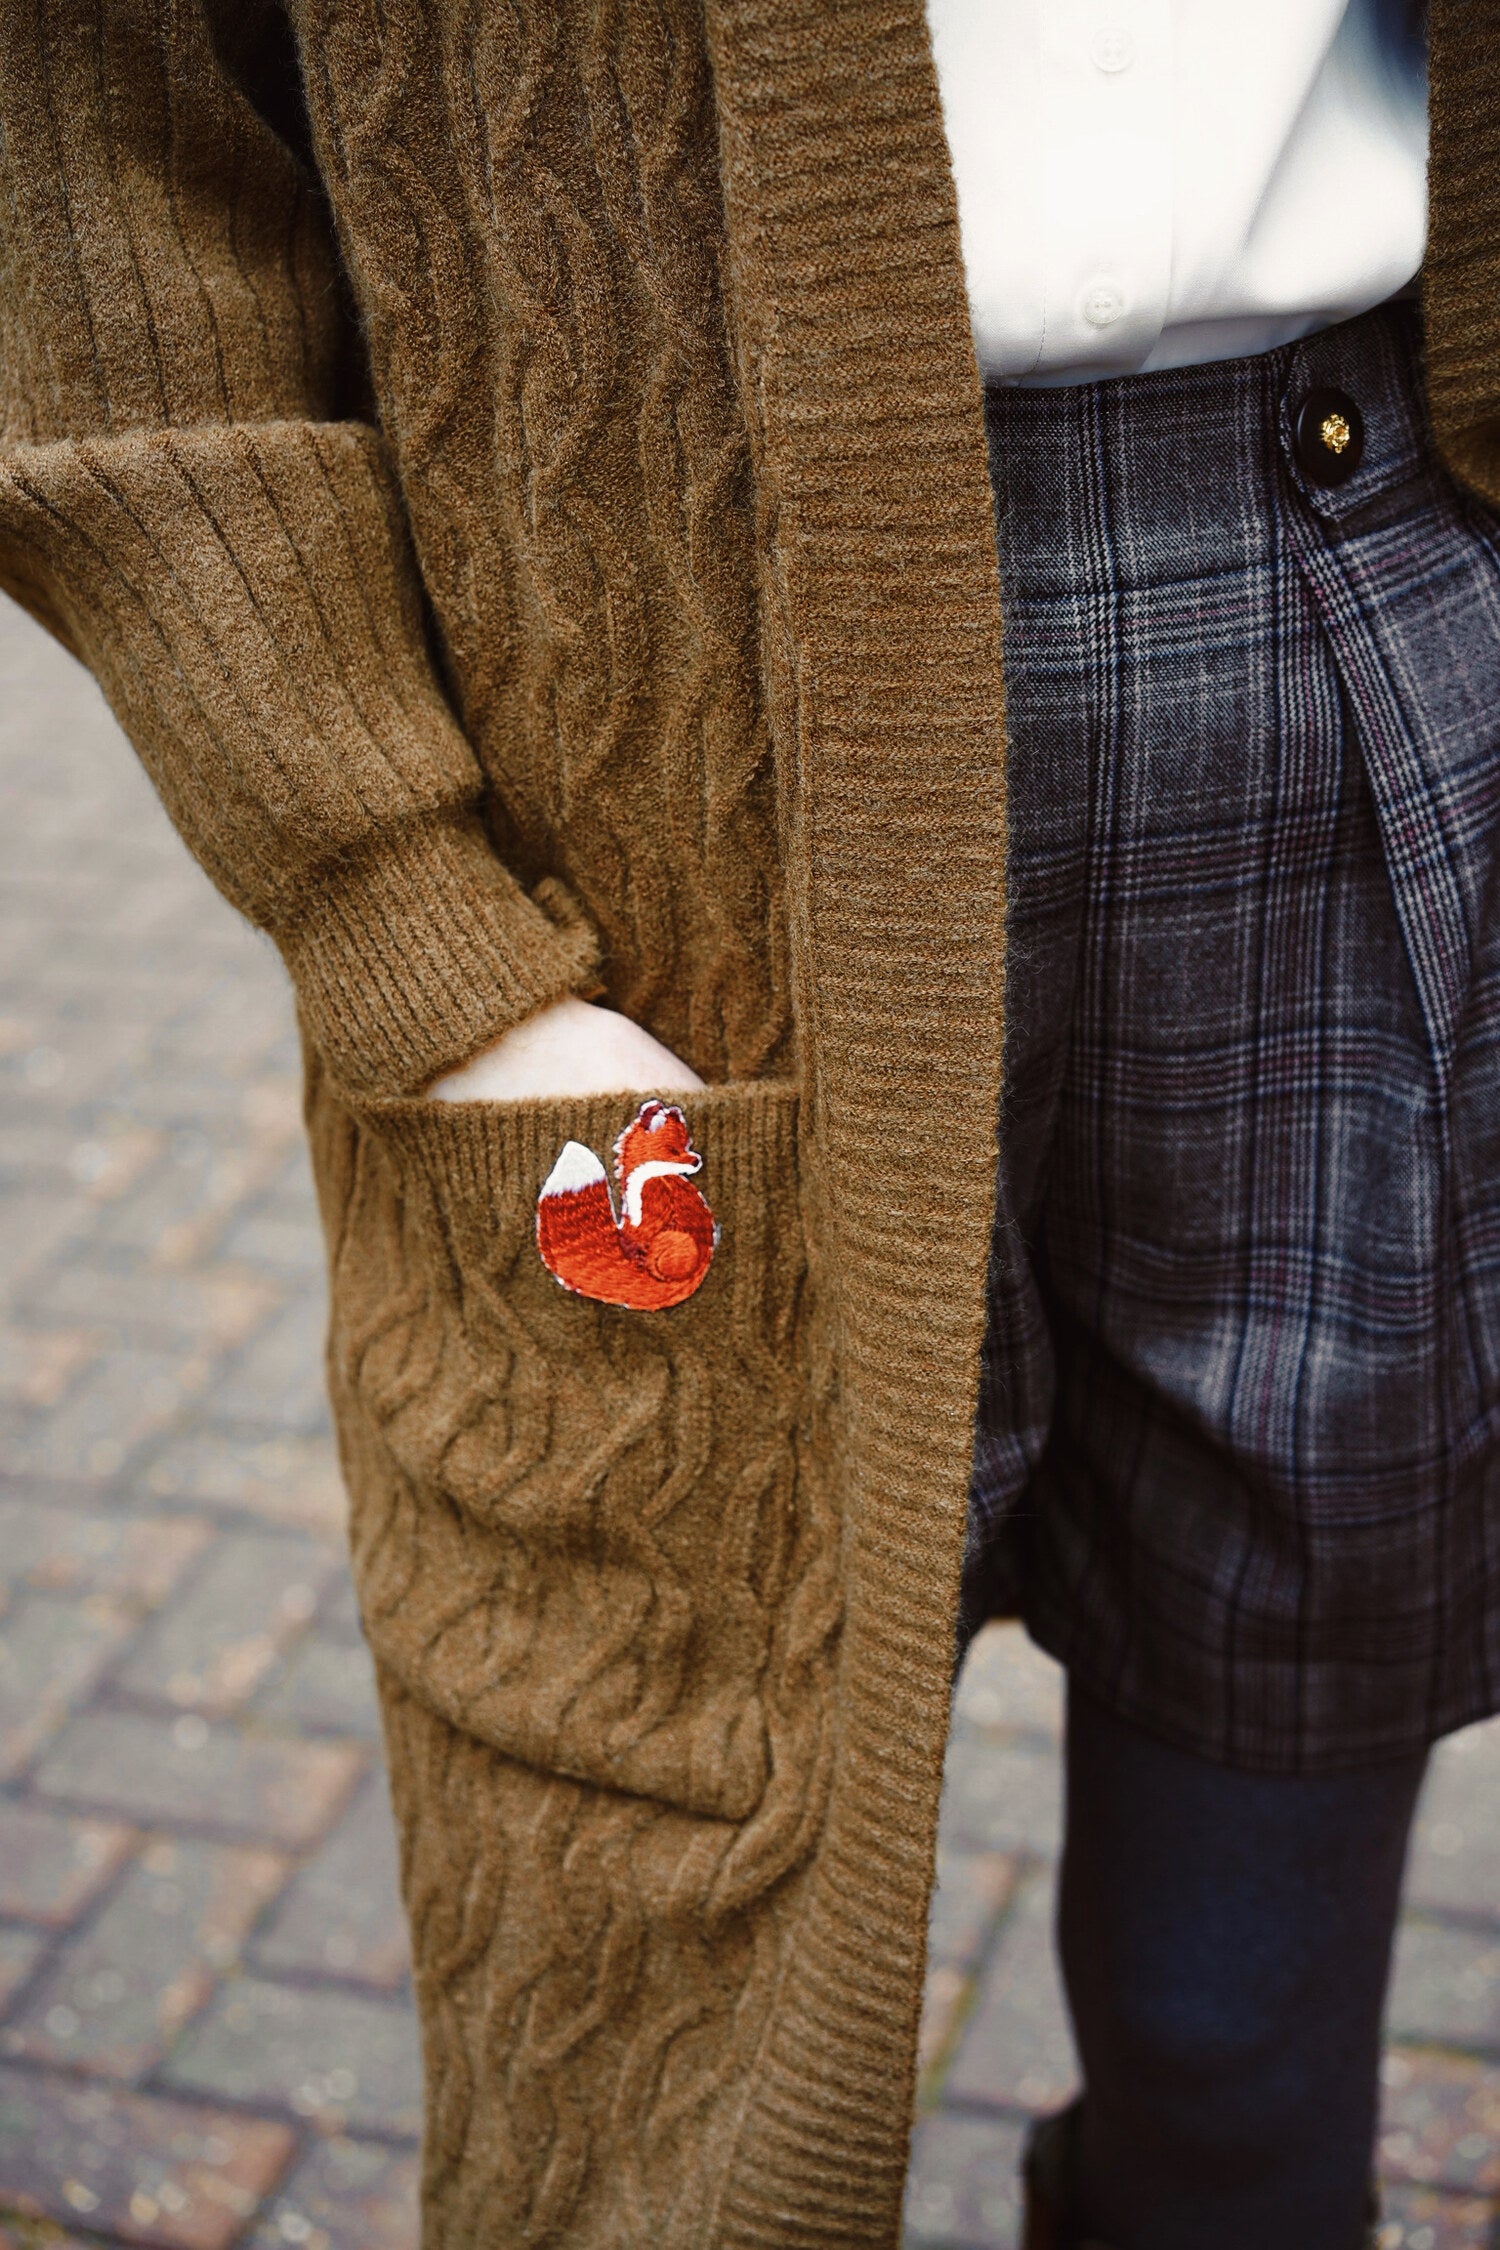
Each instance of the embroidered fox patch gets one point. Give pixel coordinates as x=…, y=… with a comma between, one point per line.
x=658, y=1250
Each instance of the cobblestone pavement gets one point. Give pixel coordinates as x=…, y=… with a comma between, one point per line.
x=206, y=2035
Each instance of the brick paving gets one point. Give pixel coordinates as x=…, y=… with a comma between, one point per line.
x=206, y=2036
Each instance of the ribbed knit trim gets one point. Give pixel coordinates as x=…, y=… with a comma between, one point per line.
x=884, y=625
x=1459, y=288
x=476, y=1153
x=247, y=599
x=420, y=952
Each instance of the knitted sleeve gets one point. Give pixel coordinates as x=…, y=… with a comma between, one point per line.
x=181, y=504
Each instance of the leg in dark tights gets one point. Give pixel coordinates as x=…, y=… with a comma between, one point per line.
x=1225, y=1942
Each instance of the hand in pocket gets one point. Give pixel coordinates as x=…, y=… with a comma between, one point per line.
x=570, y=1048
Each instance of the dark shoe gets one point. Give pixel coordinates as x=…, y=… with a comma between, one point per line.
x=1049, y=2169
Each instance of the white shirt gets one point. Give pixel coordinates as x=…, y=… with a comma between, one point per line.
x=1146, y=183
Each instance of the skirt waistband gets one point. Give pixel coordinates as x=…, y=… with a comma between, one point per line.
x=1180, y=464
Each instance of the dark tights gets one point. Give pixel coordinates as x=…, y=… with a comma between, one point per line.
x=1225, y=1943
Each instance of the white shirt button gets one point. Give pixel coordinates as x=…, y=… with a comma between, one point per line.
x=1103, y=303
x=1112, y=48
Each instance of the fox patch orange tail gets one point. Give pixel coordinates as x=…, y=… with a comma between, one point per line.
x=659, y=1247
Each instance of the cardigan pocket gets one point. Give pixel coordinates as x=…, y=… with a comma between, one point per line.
x=578, y=1528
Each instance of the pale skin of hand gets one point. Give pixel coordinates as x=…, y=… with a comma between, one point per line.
x=571, y=1047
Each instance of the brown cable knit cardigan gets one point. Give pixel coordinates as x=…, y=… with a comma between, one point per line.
x=529, y=509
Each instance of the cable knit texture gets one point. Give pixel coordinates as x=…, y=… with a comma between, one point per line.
x=517, y=469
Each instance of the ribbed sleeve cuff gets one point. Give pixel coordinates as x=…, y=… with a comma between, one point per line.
x=422, y=950
x=248, y=600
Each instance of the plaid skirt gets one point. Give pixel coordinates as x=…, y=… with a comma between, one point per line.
x=1238, y=1449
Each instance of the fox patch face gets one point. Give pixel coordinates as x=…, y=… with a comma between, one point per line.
x=657, y=1250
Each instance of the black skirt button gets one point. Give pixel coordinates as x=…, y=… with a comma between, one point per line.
x=1330, y=437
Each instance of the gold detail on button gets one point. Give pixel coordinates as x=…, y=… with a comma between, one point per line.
x=1335, y=432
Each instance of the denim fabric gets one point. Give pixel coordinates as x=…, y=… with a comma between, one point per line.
x=1238, y=1447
